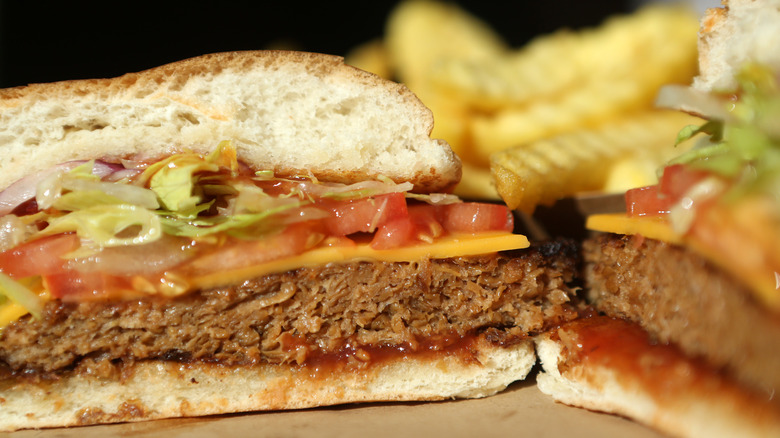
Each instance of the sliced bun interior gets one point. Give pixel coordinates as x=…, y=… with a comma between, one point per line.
x=159, y=389
x=743, y=31
x=292, y=112
x=653, y=384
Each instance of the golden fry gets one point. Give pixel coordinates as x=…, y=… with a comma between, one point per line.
x=579, y=161
x=540, y=69
x=371, y=56
x=654, y=38
x=476, y=183
x=564, y=99
x=630, y=59
x=419, y=34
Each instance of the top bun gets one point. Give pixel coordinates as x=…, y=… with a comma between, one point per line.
x=742, y=31
x=295, y=113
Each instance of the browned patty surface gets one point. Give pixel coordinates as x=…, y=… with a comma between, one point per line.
x=679, y=297
x=283, y=318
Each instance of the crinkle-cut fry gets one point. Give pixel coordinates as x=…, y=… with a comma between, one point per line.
x=547, y=170
x=586, y=106
x=633, y=43
x=655, y=37
x=451, y=121
x=476, y=183
x=541, y=68
x=371, y=56
x=583, y=107
x=419, y=34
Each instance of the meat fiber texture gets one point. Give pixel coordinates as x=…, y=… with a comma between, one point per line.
x=283, y=318
x=682, y=298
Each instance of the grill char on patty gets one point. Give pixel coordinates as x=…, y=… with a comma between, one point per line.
x=285, y=317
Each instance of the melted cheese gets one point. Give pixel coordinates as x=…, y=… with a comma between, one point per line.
x=10, y=312
x=652, y=227
x=761, y=280
x=446, y=247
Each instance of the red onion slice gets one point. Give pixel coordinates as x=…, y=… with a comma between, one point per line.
x=151, y=258
x=692, y=101
x=23, y=190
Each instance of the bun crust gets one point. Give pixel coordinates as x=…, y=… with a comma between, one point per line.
x=158, y=389
x=683, y=400
x=292, y=112
x=740, y=32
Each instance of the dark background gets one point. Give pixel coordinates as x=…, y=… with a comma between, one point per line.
x=43, y=41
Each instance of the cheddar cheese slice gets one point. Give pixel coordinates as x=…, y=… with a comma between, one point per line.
x=445, y=247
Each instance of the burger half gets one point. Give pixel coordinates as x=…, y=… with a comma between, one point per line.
x=685, y=335
x=249, y=231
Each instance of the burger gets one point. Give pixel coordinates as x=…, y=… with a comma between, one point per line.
x=251, y=231
x=684, y=330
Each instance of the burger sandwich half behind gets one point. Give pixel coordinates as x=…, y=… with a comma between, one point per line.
x=685, y=334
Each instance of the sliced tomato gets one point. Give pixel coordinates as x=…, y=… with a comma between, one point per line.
x=427, y=222
x=363, y=215
x=38, y=257
x=236, y=254
x=79, y=286
x=393, y=234
x=420, y=225
x=647, y=201
x=656, y=200
x=678, y=179
x=475, y=217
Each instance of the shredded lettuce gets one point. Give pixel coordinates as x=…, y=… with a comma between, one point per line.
x=225, y=156
x=190, y=195
x=124, y=193
x=21, y=295
x=175, y=183
x=251, y=199
x=13, y=231
x=109, y=225
x=264, y=174
x=177, y=180
x=340, y=192
x=712, y=128
x=744, y=146
x=435, y=198
x=79, y=187
x=241, y=225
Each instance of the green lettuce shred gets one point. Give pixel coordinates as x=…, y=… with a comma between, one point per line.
x=245, y=226
x=21, y=295
x=109, y=225
x=745, y=146
x=187, y=195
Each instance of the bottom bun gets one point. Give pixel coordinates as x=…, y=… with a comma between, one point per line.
x=610, y=366
x=165, y=389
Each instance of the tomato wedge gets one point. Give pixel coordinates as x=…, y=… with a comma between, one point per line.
x=363, y=215
x=38, y=257
x=475, y=217
x=657, y=200
x=293, y=240
x=646, y=201
x=424, y=223
x=677, y=180
x=82, y=286
x=421, y=224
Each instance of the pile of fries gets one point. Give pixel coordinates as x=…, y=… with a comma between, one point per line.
x=567, y=113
